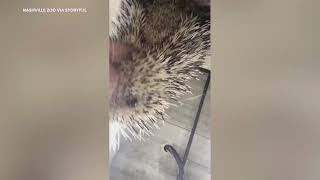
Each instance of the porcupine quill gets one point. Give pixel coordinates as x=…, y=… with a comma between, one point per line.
x=171, y=43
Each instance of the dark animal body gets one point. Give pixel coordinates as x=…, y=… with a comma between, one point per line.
x=157, y=46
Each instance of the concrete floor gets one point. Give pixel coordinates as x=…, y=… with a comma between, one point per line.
x=148, y=160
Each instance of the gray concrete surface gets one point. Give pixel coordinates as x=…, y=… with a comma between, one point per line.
x=148, y=161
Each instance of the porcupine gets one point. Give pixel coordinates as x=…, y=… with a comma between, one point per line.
x=156, y=46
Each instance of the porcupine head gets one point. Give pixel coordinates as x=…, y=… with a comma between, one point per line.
x=155, y=48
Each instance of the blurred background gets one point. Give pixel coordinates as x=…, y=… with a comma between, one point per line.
x=266, y=103
x=53, y=91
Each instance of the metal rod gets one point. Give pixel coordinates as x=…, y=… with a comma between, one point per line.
x=196, y=120
x=168, y=148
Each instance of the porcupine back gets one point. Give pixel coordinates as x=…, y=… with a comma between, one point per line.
x=171, y=42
